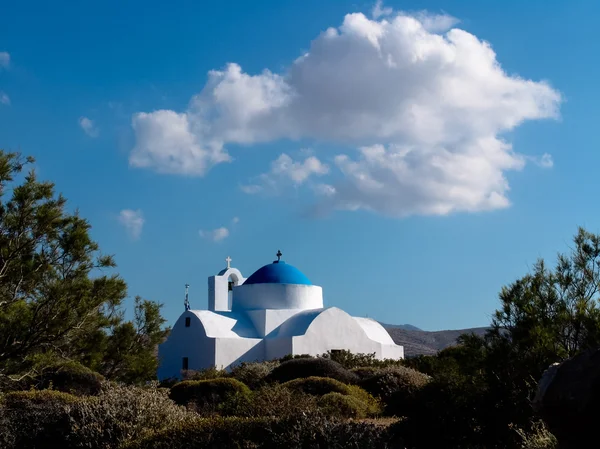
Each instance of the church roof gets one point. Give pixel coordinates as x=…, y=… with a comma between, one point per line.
x=278, y=272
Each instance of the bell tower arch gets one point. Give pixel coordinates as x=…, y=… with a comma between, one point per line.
x=221, y=286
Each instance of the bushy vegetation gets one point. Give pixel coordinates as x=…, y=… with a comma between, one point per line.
x=357, y=403
x=396, y=387
x=307, y=367
x=343, y=406
x=205, y=374
x=253, y=374
x=69, y=377
x=297, y=432
x=277, y=401
x=317, y=386
x=49, y=419
x=32, y=418
x=364, y=372
x=211, y=395
x=353, y=361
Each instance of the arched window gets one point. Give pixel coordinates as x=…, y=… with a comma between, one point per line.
x=231, y=282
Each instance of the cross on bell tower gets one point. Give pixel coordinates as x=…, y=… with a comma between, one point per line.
x=187, y=300
x=228, y=260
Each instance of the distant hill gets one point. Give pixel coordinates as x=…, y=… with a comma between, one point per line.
x=420, y=342
x=408, y=327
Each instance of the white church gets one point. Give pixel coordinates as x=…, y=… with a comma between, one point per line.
x=275, y=312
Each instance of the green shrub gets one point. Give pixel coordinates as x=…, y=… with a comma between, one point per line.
x=169, y=382
x=342, y=406
x=120, y=413
x=373, y=404
x=364, y=372
x=253, y=374
x=449, y=412
x=52, y=419
x=211, y=433
x=285, y=358
x=204, y=374
x=305, y=367
x=317, y=386
x=300, y=432
x=429, y=364
x=350, y=360
x=36, y=419
x=222, y=395
x=278, y=401
x=320, y=386
x=395, y=387
x=70, y=377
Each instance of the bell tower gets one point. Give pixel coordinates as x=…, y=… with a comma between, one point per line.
x=220, y=288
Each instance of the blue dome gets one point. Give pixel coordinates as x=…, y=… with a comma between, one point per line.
x=278, y=273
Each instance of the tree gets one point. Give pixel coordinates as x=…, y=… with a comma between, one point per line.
x=56, y=299
x=130, y=351
x=545, y=317
x=550, y=315
x=486, y=383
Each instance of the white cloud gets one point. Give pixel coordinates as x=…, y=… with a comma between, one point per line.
x=546, y=161
x=171, y=143
x=133, y=221
x=379, y=10
x=88, y=126
x=4, y=59
x=4, y=99
x=543, y=161
x=4, y=63
x=325, y=190
x=424, y=108
x=436, y=23
x=285, y=170
x=401, y=181
x=215, y=235
x=251, y=189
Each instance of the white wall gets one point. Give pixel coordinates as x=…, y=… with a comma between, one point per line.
x=266, y=321
x=277, y=296
x=335, y=329
x=232, y=351
x=276, y=348
x=190, y=342
x=376, y=332
x=392, y=352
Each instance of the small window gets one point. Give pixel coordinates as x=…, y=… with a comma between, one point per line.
x=185, y=363
x=187, y=321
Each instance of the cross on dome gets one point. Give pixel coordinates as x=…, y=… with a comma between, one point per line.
x=279, y=255
x=228, y=260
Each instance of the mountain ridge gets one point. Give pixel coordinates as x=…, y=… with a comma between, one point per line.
x=420, y=342
x=408, y=327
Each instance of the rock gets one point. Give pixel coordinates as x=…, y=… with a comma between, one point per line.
x=568, y=400
x=543, y=385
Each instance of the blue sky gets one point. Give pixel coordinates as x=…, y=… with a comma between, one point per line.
x=394, y=159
